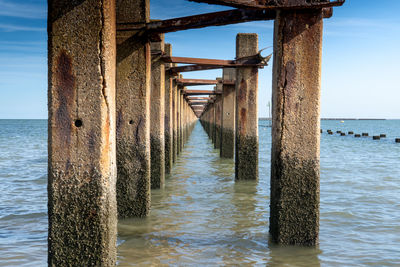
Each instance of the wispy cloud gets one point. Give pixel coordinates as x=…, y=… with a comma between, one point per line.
x=15, y=28
x=29, y=11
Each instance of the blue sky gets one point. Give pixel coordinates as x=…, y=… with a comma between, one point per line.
x=360, y=55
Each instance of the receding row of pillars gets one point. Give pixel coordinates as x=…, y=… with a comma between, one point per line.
x=231, y=117
x=110, y=125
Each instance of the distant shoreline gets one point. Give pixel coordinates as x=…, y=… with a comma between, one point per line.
x=337, y=119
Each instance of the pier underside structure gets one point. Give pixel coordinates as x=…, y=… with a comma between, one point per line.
x=120, y=113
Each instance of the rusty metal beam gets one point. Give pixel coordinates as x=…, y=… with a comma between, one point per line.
x=197, y=98
x=175, y=70
x=274, y=4
x=197, y=103
x=195, y=82
x=199, y=21
x=251, y=61
x=199, y=92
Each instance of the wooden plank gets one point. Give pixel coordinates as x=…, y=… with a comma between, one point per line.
x=272, y=5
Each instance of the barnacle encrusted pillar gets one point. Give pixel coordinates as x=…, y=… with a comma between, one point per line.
x=218, y=116
x=175, y=118
x=168, y=118
x=133, y=112
x=228, y=115
x=82, y=209
x=246, y=160
x=157, y=113
x=294, y=216
x=181, y=126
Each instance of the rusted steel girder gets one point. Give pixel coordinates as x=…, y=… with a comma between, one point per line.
x=199, y=21
x=251, y=61
x=274, y=4
x=197, y=103
x=194, y=82
x=188, y=68
x=199, y=92
x=197, y=98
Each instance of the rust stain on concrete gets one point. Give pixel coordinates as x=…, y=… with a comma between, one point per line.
x=65, y=92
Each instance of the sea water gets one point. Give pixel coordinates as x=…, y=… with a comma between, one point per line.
x=202, y=217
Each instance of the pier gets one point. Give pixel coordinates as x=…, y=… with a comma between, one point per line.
x=121, y=110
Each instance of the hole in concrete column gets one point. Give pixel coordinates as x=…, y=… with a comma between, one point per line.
x=131, y=122
x=78, y=123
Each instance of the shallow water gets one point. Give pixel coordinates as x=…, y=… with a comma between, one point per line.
x=203, y=217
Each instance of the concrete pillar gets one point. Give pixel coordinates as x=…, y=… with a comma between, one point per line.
x=294, y=216
x=168, y=119
x=181, y=133
x=175, y=120
x=157, y=113
x=246, y=164
x=82, y=208
x=228, y=115
x=212, y=120
x=133, y=112
x=178, y=119
x=218, y=116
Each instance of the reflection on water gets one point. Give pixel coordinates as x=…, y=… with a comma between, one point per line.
x=203, y=217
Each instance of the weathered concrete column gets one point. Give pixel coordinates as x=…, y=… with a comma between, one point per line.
x=133, y=112
x=181, y=132
x=175, y=120
x=294, y=216
x=178, y=119
x=157, y=114
x=246, y=163
x=82, y=208
x=218, y=116
x=212, y=120
x=228, y=115
x=168, y=119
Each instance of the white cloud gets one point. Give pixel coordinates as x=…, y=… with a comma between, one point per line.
x=15, y=28
x=28, y=11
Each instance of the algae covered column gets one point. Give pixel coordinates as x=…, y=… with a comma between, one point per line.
x=175, y=120
x=157, y=113
x=246, y=160
x=218, y=116
x=168, y=118
x=228, y=115
x=82, y=210
x=294, y=217
x=133, y=111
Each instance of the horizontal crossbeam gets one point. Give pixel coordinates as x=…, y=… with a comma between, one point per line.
x=195, y=82
x=197, y=103
x=252, y=61
x=197, y=98
x=199, y=21
x=200, y=92
x=188, y=68
x=274, y=4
